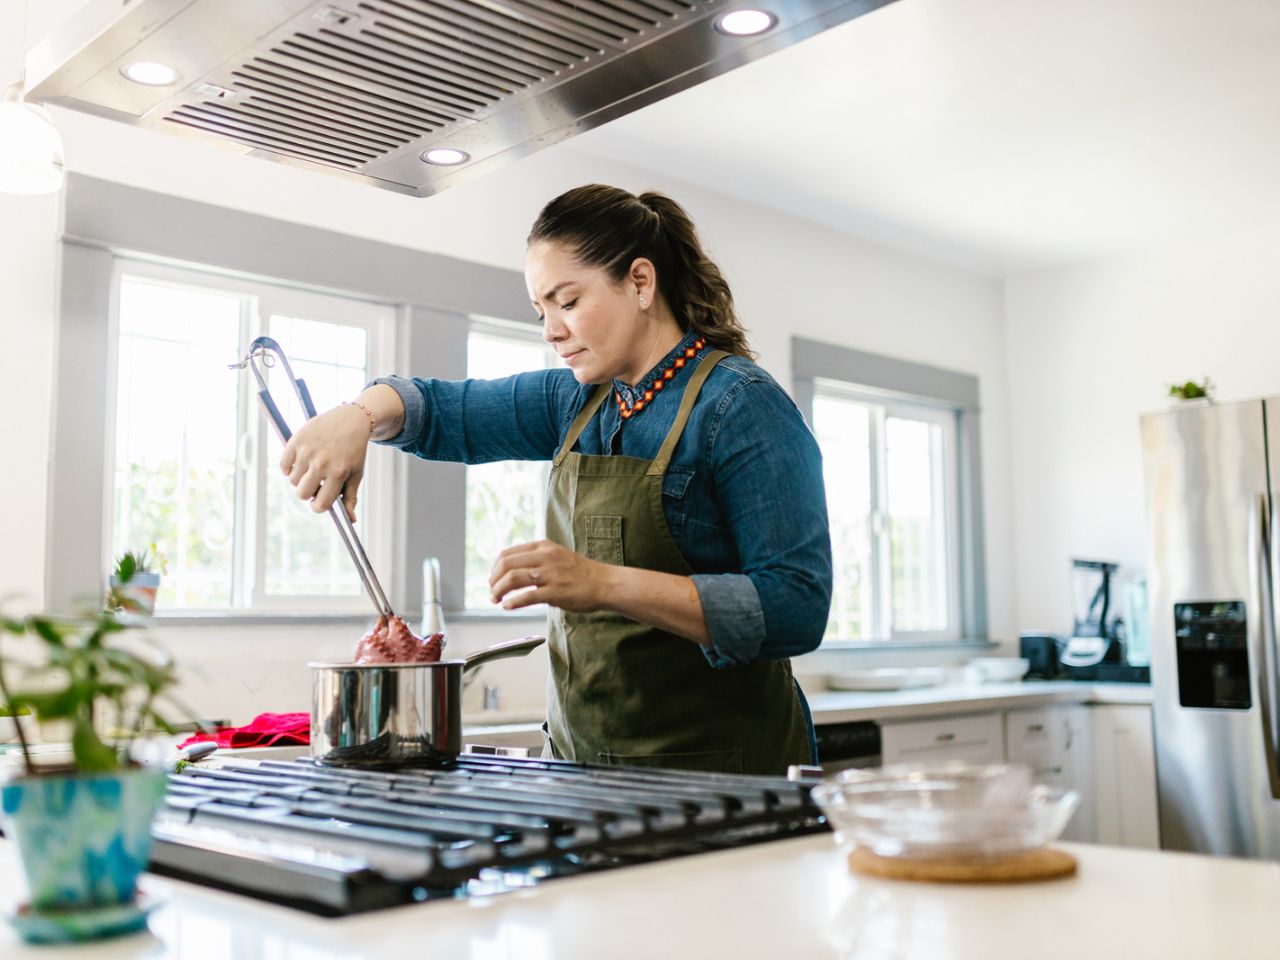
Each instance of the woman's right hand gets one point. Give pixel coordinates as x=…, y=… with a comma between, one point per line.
x=325, y=457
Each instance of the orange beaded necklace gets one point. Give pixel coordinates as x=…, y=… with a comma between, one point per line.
x=669, y=371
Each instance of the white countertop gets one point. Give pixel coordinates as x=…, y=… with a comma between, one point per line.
x=831, y=706
x=793, y=898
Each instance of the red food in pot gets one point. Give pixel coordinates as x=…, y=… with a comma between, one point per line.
x=391, y=641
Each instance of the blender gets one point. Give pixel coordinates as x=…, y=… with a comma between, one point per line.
x=1096, y=631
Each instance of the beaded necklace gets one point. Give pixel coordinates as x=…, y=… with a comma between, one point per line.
x=669, y=371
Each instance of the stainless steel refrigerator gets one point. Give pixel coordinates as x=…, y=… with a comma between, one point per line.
x=1213, y=552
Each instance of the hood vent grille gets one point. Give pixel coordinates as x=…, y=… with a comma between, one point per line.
x=363, y=88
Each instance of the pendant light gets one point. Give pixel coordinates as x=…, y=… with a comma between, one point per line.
x=31, y=157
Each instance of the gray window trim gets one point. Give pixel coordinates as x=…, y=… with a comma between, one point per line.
x=436, y=295
x=812, y=360
x=131, y=220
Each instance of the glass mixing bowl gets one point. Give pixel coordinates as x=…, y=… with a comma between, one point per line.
x=947, y=810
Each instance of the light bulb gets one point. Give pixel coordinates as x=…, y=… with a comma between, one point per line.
x=446, y=157
x=746, y=23
x=31, y=157
x=151, y=74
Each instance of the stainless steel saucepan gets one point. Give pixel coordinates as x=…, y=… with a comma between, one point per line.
x=386, y=714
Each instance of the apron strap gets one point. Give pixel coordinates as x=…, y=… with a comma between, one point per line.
x=580, y=422
x=658, y=467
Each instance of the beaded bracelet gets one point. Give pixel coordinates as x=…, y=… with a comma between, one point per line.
x=373, y=421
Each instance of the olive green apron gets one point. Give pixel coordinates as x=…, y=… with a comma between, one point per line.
x=623, y=692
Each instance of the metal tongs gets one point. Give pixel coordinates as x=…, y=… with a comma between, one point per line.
x=261, y=350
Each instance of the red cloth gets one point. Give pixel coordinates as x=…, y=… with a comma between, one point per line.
x=265, y=730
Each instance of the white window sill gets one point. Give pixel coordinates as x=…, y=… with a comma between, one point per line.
x=907, y=644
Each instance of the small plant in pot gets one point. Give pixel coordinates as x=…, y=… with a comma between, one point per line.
x=83, y=827
x=1192, y=392
x=136, y=580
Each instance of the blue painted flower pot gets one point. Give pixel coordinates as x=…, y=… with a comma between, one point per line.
x=83, y=840
x=141, y=589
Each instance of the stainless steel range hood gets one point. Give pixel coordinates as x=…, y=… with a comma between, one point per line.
x=362, y=88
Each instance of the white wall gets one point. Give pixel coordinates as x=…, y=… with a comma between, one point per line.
x=28, y=265
x=28, y=248
x=789, y=277
x=1089, y=350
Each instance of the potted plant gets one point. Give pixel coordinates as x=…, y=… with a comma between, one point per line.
x=82, y=828
x=136, y=580
x=1192, y=392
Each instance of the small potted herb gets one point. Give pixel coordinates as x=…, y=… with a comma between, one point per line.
x=1192, y=392
x=136, y=580
x=82, y=827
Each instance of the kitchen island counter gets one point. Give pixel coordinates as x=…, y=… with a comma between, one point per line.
x=792, y=898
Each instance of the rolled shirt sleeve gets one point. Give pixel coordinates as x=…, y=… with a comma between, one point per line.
x=735, y=619
x=767, y=472
x=415, y=408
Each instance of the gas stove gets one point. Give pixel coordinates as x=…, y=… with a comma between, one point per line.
x=335, y=840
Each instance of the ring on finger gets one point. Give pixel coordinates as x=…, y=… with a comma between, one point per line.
x=533, y=575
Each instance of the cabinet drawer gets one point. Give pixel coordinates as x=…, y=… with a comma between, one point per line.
x=978, y=738
x=1035, y=737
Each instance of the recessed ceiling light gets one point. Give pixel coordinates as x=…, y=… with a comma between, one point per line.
x=151, y=74
x=746, y=23
x=446, y=157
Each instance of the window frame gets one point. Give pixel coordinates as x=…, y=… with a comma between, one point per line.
x=522, y=332
x=912, y=388
x=883, y=407
x=433, y=297
x=259, y=301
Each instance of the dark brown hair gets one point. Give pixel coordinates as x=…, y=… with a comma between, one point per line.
x=609, y=228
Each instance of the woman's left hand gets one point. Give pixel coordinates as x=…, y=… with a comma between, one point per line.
x=559, y=577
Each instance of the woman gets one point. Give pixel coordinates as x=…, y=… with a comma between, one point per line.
x=687, y=553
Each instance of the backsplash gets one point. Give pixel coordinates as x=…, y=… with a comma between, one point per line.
x=236, y=672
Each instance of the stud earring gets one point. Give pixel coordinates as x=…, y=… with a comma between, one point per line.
x=643, y=303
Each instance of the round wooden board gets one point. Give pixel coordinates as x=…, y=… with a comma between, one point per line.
x=1043, y=864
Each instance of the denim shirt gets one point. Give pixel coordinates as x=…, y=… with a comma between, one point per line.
x=743, y=494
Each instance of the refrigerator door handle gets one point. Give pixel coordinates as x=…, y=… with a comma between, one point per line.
x=1263, y=561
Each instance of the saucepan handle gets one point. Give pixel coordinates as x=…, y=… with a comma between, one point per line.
x=499, y=651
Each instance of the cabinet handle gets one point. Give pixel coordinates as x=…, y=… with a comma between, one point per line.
x=945, y=737
x=1036, y=728
x=1071, y=735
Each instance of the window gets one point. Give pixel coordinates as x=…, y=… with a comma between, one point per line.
x=505, y=501
x=194, y=462
x=901, y=446
x=890, y=474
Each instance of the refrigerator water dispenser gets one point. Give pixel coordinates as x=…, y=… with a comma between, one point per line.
x=1213, y=657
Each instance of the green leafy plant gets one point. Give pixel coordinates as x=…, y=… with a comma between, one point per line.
x=1191, y=390
x=133, y=562
x=121, y=598
x=92, y=674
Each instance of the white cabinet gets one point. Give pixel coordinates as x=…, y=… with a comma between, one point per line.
x=977, y=738
x=1056, y=743
x=1125, y=770
x=1102, y=751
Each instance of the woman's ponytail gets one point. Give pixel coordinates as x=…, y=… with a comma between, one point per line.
x=693, y=285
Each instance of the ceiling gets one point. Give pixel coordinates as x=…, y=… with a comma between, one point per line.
x=998, y=135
